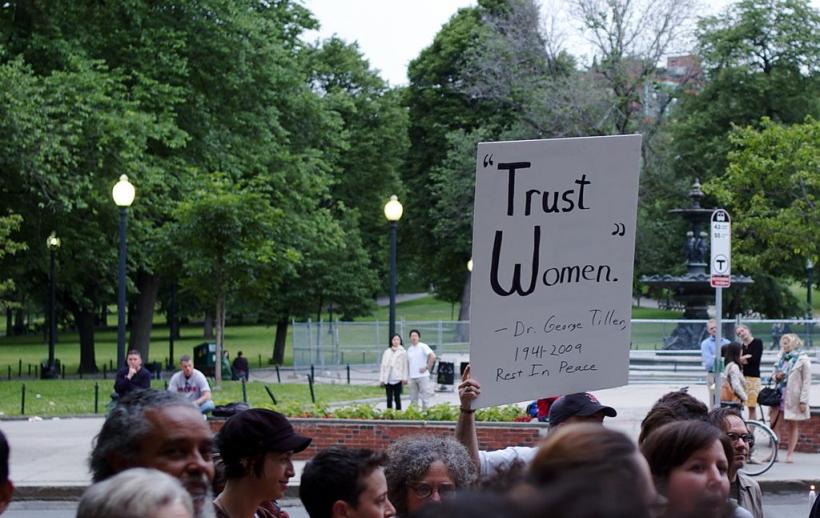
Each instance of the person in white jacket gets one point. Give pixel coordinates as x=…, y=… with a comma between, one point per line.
x=393, y=373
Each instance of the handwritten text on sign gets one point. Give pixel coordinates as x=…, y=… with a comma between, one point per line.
x=553, y=247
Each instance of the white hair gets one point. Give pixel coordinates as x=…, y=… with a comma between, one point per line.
x=133, y=493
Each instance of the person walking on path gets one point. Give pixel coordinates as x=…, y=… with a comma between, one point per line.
x=420, y=359
x=792, y=372
x=750, y=357
x=708, y=352
x=393, y=372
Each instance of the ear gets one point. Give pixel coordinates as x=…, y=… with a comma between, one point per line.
x=341, y=509
x=6, y=490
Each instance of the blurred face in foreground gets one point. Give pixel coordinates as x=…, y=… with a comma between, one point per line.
x=179, y=443
x=700, y=484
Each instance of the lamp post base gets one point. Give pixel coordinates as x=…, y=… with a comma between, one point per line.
x=49, y=372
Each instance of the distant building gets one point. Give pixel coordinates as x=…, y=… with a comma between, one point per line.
x=680, y=71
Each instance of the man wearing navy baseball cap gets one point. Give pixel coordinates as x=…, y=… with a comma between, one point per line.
x=571, y=408
x=581, y=407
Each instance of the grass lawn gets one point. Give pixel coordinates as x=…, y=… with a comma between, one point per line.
x=799, y=291
x=49, y=398
x=255, y=341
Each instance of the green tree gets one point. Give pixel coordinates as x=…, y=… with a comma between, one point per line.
x=760, y=59
x=223, y=236
x=371, y=143
x=771, y=188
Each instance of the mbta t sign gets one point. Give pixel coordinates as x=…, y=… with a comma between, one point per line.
x=721, y=245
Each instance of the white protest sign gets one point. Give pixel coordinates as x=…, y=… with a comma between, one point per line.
x=553, y=251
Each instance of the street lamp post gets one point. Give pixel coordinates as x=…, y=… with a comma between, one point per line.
x=123, y=194
x=393, y=211
x=809, y=309
x=52, y=243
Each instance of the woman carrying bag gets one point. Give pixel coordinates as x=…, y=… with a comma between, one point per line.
x=732, y=391
x=792, y=372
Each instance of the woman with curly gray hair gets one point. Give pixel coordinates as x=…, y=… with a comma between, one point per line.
x=424, y=469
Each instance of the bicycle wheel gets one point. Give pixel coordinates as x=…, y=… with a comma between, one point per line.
x=762, y=451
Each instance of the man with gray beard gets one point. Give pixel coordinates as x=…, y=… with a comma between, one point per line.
x=160, y=430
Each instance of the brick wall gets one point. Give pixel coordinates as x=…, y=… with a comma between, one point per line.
x=808, y=439
x=356, y=433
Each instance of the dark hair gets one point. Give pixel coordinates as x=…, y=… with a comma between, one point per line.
x=414, y=331
x=718, y=416
x=248, y=436
x=731, y=352
x=401, y=342
x=334, y=474
x=671, y=445
x=126, y=427
x=409, y=459
x=673, y=406
x=576, y=495
x=239, y=353
x=602, y=454
x=133, y=351
x=4, y=458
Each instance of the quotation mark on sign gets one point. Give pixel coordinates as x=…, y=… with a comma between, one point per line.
x=488, y=160
x=620, y=229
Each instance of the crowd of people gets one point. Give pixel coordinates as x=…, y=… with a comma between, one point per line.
x=155, y=456
x=741, y=381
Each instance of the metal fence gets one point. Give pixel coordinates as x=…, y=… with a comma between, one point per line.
x=341, y=343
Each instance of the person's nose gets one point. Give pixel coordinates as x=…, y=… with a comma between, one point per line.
x=389, y=510
x=198, y=464
x=289, y=471
x=714, y=476
x=435, y=496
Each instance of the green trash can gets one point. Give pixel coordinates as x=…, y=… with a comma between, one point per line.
x=205, y=358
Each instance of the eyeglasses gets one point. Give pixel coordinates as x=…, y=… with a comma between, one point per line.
x=746, y=437
x=425, y=491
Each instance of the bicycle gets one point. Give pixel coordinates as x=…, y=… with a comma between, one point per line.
x=762, y=450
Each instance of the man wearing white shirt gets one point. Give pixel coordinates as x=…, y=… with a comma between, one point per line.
x=420, y=359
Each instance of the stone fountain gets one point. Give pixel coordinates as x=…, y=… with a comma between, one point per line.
x=692, y=289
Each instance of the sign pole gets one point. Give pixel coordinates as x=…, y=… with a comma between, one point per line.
x=721, y=277
x=718, y=338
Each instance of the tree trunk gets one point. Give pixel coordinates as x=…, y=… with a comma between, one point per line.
x=143, y=317
x=208, y=326
x=464, y=311
x=85, y=327
x=103, y=322
x=19, y=322
x=9, y=324
x=220, y=335
x=279, y=342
